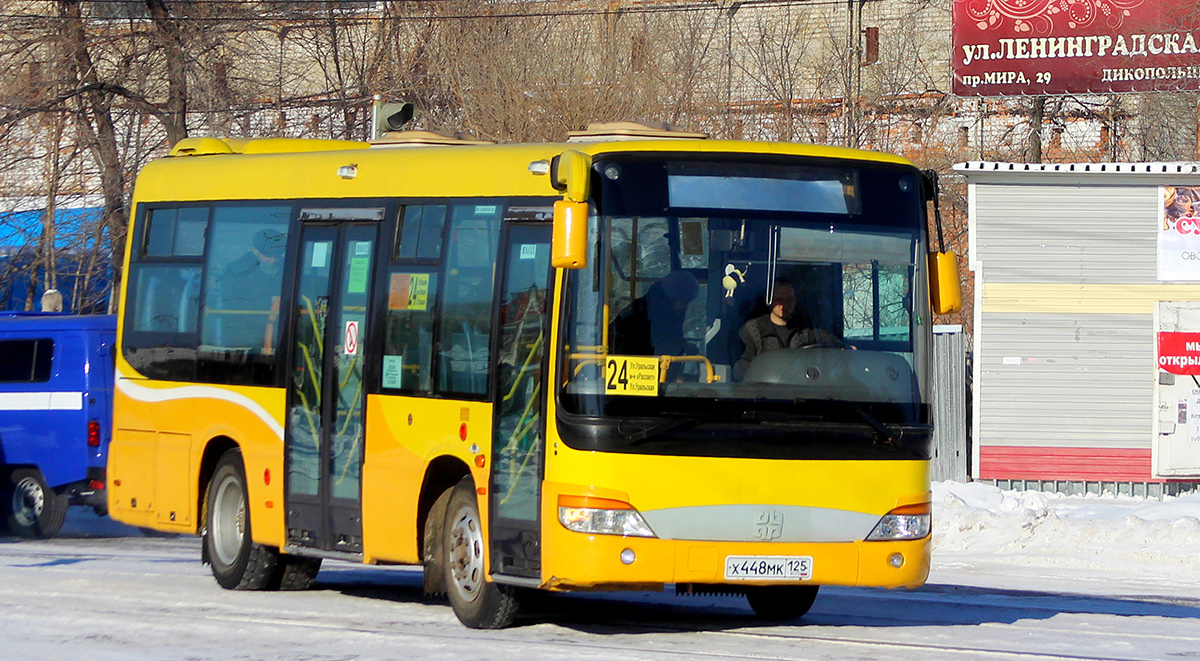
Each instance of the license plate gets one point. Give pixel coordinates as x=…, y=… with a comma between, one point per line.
x=768, y=567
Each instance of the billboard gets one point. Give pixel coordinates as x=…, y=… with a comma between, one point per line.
x=1014, y=47
x=1179, y=234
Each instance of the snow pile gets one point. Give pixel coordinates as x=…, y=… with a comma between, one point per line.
x=1101, y=537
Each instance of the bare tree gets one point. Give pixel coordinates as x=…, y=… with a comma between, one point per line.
x=773, y=49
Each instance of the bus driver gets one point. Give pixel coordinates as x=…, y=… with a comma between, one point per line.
x=771, y=331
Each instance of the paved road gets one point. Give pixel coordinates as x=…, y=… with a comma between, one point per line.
x=104, y=591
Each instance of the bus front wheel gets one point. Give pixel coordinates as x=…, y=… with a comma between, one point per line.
x=33, y=509
x=477, y=602
x=237, y=562
x=781, y=602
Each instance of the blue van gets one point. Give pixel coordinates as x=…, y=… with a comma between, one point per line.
x=56, y=387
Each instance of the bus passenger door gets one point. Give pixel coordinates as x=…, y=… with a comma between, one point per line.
x=518, y=446
x=326, y=390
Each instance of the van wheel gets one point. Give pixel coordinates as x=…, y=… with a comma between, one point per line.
x=237, y=562
x=33, y=509
x=781, y=602
x=477, y=602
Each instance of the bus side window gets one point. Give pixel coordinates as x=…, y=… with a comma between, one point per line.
x=408, y=335
x=239, y=332
x=419, y=235
x=166, y=298
x=162, y=311
x=466, y=325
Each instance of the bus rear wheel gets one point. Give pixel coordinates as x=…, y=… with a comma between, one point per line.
x=781, y=602
x=477, y=602
x=294, y=573
x=237, y=562
x=33, y=509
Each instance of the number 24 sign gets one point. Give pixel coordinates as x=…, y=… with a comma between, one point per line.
x=631, y=375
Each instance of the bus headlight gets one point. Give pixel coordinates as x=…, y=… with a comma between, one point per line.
x=907, y=522
x=601, y=516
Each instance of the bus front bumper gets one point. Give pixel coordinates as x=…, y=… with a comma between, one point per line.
x=580, y=561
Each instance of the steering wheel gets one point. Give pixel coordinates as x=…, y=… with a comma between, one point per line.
x=824, y=345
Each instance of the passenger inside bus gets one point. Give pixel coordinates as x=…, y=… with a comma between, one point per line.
x=242, y=289
x=652, y=325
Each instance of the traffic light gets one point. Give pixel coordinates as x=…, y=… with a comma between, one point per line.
x=388, y=117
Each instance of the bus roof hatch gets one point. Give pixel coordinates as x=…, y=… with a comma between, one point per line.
x=608, y=131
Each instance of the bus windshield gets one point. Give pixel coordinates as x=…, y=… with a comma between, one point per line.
x=751, y=302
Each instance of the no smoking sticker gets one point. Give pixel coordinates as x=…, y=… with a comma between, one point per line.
x=350, y=344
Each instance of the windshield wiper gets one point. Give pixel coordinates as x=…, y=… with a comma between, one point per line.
x=640, y=436
x=748, y=416
x=885, y=433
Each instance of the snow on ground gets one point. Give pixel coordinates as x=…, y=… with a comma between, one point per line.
x=1023, y=575
x=985, y=536
x=1022, y=538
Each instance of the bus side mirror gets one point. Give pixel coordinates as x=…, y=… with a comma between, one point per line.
x=944, y=287
x=571, y=173
x=568, y=249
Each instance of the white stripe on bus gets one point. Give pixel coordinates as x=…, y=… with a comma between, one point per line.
x=41, y=401
x=154, y=395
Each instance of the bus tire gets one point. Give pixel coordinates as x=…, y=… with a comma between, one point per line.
x=781, y=602
x=293, y=572
x=477, y=602
x=237, y=562
x=32, y=509
x=433, y=548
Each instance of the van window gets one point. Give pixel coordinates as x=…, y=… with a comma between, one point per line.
x=25, y=360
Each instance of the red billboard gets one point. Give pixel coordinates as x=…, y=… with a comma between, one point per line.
x=1013, y=47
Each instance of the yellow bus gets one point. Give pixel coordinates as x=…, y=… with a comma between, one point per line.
x=633, y=360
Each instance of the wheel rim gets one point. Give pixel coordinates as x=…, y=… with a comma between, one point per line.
x=27, y=501
x=466, y=554
x=228, y=524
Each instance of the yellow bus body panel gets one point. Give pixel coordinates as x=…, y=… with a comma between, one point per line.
x=396, y=459
x=160, y=432
x=651, y=482
x=500, y=170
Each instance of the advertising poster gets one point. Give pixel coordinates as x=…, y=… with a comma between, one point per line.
x=1014, y=47
x=1179, y=354
x=1179, y=233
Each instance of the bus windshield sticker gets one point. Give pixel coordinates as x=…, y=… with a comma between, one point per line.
x=362, y=248
x=409, y=291
x=631, y=375
x=485, y=210
x=320, y=255
x=359, y=268
x=529, y=251
x=393, y=371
